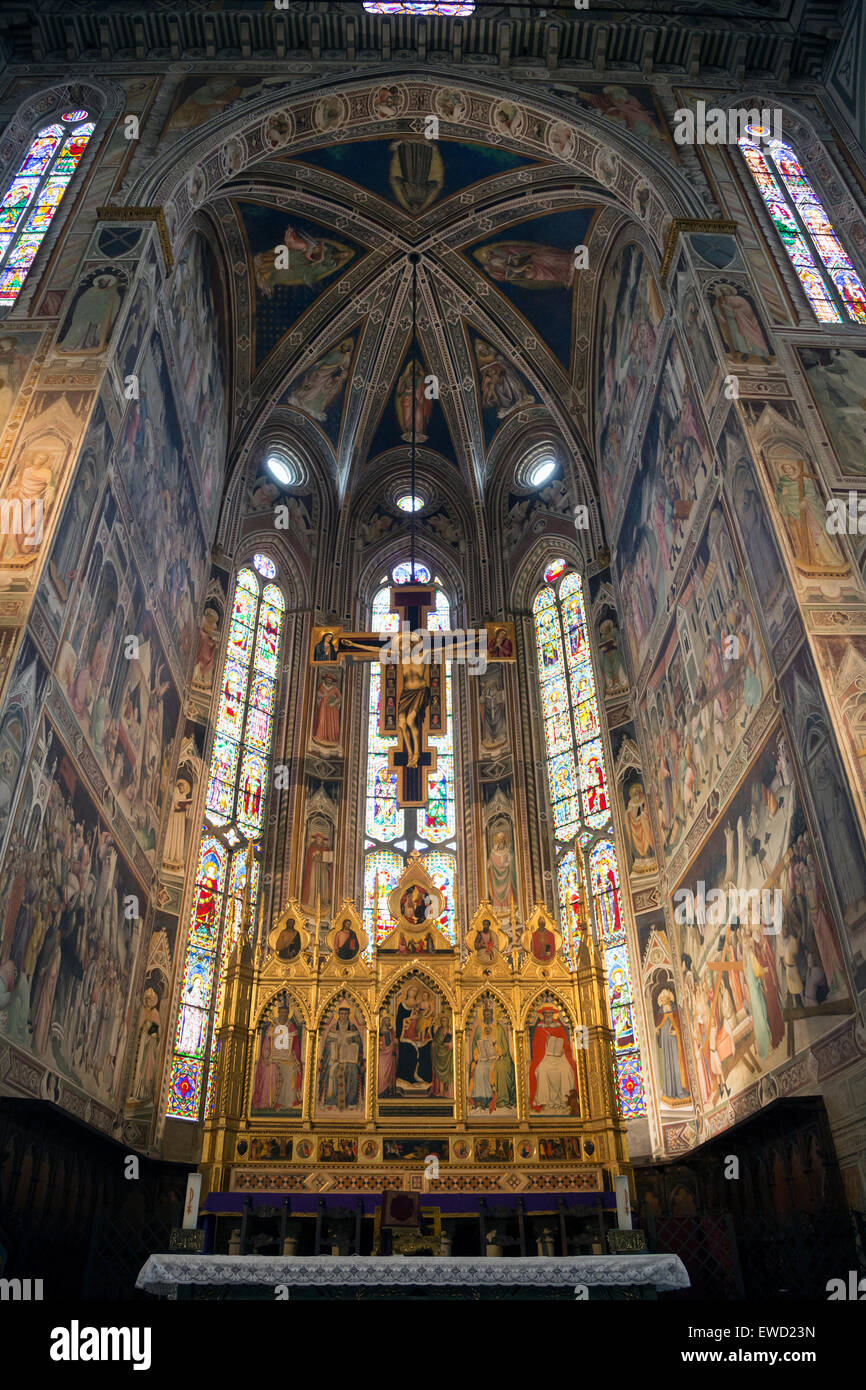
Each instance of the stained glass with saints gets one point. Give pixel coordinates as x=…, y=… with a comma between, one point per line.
x=449, y=9
x=236, y=793
x=33, y=196
x=382, y=870
x=579, y=799
x=789, y=195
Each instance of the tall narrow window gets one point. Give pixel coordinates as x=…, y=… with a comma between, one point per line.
x=832, y=285
x=34, y=194
x=581, y=808
x=234, y=817
x=391, y=832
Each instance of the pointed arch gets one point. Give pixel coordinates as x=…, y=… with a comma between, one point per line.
x=430, y=979
x=478, y=994
x=279, y=992
x=547, y=993
x=340, y=991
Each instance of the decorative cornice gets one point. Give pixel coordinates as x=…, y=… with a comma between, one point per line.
x=112, y=213
x=691, y=224
x=90, y=32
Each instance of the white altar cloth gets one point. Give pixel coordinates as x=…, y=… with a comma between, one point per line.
x=162, y=1274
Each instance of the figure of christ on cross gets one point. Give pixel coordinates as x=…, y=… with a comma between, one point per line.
x=411, y=701
x=412, y=696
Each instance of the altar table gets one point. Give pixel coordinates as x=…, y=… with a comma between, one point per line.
x=411, y=1276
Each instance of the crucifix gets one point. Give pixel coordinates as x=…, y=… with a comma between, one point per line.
x=412, y=696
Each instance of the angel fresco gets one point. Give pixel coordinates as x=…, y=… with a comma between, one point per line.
x=502, y=389
x=306, y=260
x=527, y=265
x=323, y=383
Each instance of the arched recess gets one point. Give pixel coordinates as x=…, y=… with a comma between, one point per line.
x=376, y=486
x=670, y=1061
x=454, y=296
x=538, y=512
x=595, y=149
x=478, y=994
x=281, y=430
x=544, y=994
x=280, y=991
x=593, y=156
x=430, y=980
x=196, y=305
x=103, y=102
x=339, y=992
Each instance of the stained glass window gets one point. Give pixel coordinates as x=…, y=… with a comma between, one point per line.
x=448, y=8
x=581, y=807
x=391, y=832
x=34, y=194
x=265, y=566
x=402, y=574
x=235, y=801
x=554, y=570
x=832, y=285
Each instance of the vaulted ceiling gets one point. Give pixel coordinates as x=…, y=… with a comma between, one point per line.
x=502, y=328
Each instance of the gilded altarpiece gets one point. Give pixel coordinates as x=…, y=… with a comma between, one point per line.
x=350, y=1066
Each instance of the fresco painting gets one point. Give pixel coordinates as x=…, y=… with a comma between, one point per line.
x=69, y=942
x=710, y=678
x=676, y=460
x=629, y=315
x=763, y=975
x=159, y=485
